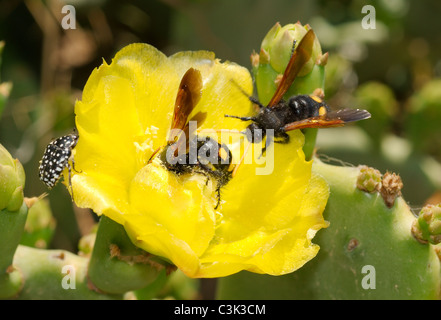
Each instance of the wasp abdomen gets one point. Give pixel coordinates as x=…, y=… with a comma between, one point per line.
x=305, y=106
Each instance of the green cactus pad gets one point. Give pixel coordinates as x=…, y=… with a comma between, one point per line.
x=368, y=252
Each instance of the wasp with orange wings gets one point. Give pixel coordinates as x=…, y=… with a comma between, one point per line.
x=185, y=155
x=298, y=112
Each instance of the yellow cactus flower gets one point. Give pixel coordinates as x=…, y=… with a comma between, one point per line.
x=265, y=223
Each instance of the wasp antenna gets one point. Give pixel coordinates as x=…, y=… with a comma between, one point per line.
x=250, y=97
x=257, y=102
x=241, y=118
x=154, y=153
x=239, y=87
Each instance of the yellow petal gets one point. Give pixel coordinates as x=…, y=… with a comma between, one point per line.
x=182, y=205
x=126, y=112
x=267, y=218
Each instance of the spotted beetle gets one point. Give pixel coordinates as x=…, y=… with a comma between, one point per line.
x=56, y=157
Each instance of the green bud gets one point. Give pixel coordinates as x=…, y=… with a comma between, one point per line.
x=338, y=69
x=13, y=214
x=87, y=242
x=427, y=228
x=269, y=38
x=421, y=124
x=12, y=180
x=269, y=65
x=40, y=224
x=279, y=41
x=85, y=245
x=274, y=55
x=380, y=101
x=369, y=179
x=264, y=57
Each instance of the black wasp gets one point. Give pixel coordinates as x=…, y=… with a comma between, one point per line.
x=300, y=111
x=183, y=155
x=56, y=157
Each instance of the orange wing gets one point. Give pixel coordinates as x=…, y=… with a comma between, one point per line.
x=315, y=122
x=184, y=138
x=331, y=119
x=189, y=94
x=299, y=58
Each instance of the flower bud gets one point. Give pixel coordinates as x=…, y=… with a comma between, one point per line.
x=276, y=50
x=421, y=123
x=40, y=224
x=12, y=180
x=427, y=228
x=391, y=186
x=278, y=44
x=369, y=179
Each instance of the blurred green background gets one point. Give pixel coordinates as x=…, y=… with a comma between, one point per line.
x=394, y=71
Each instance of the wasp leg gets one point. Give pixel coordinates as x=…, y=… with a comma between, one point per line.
x=208, y=179
x=218, y=198
x=284, y=140
x=268, y=141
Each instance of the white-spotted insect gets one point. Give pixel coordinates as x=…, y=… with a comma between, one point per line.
x=56, y=157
